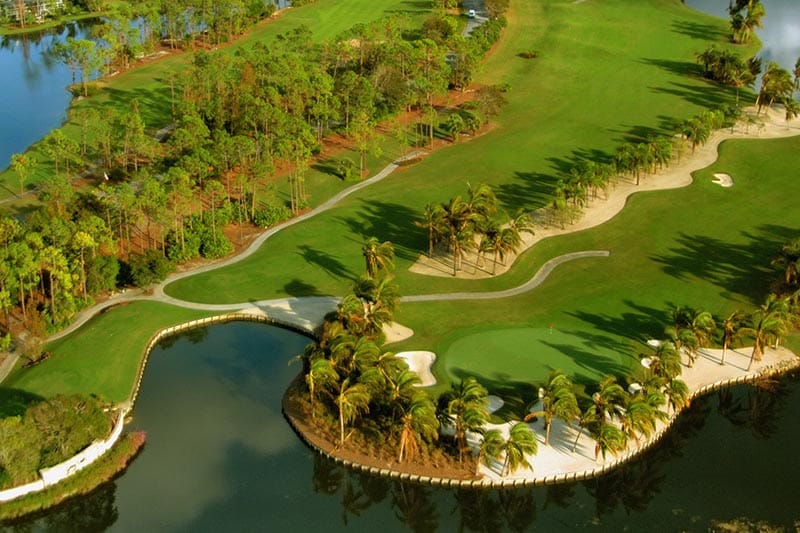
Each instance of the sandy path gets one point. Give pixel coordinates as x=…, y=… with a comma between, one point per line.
x=678, y=174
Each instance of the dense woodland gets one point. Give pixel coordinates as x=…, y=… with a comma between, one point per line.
x=236, y=118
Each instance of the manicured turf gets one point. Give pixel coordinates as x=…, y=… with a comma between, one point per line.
x=103, y=356
x=703, y=246
x=591, y=88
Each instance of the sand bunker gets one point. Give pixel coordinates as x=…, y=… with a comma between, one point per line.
x=395, y=332
x=723, y=180
x=493, y=403
x=420, y=362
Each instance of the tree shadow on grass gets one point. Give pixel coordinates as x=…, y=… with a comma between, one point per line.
x=640, y=325
x=698, y=95
x=679, y=68
x=699, y=31
x=298, y=288
x=593, y=363
x=14, y=402
x=737, y=269
x=530, y=190
x=328, y=166
x=154, y=103
x=332, y=266
x=517, y=395
x=393, y=222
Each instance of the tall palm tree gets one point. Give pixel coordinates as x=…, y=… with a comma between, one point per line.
x=558, y=400
x=677, y=393
x=419, y=423
x=377, y=255
x=731, y=330
x=768, y=322
x=609, y=400
x=466, y=405
x=637, y=418
x=352, y=401
x=432, y=222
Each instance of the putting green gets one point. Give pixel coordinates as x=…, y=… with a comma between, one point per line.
x=528, y=355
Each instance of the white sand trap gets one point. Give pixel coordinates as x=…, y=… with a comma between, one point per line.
x=493, y=403
x=655, y=343
x=723, y=180
x=395, y=332
x=420, y=362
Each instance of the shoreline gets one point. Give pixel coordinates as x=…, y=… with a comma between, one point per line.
x=545, y=469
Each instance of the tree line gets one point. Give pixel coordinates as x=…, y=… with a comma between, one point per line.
x=238, y=119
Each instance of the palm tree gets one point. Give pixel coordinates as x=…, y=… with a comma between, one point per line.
x=321, y=376
x=378, y=255
x=677, y=393
x=419, y=423
x=731, y=330
x=690, y=329
x=767, y=322
x=776, y=85
x=431, y=221
x=609, y=400
x=352, y=401
x=379, y=299
x=608, y=438
x=665, y=363
x=521, y=442
x=558, y=400
x=466, y=405
x=637, y=418
x=587, y=419
x=744, y=26
x=789, y=260
x=491, y=448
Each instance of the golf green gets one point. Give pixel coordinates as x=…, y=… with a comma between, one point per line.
x=533, y=353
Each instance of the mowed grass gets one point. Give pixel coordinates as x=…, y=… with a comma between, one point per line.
x=150, y=84
x=102, y=357
x=703, y=246
x=593, y=87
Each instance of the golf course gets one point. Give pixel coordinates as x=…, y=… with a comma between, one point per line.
x=580, y=79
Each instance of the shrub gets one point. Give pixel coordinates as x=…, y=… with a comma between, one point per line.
x=270, y=215
x=150, y=267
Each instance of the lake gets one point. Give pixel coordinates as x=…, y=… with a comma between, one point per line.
x=220, y=457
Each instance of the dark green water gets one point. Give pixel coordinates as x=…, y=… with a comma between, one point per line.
x=220, y=457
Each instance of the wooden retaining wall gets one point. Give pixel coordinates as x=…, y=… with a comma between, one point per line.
x=567, y=477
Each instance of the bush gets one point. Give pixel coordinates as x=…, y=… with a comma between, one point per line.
x=150, y=267
x=271, y=215
x=101, y=273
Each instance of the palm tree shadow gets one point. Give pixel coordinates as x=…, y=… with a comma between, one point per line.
x=699, y=31
x=390, y=221
x=736, y=268
x=332, y=266
x=528, y=189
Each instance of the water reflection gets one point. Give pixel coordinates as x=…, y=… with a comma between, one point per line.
x=780, y=36
x=220, y=456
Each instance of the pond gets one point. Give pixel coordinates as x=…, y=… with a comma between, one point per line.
x=780, y=36
x=220, y=456
x=35, y=96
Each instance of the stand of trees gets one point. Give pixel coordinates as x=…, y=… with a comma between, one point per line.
x=47, y=433
x=236, y=119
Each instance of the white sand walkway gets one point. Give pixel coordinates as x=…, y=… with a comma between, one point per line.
x=558, y=459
